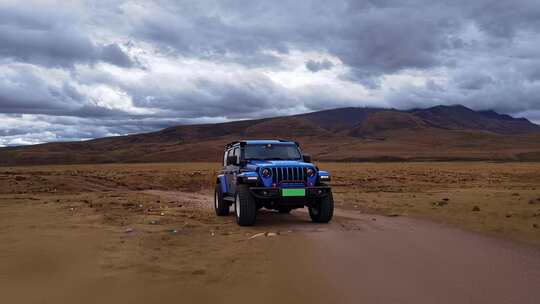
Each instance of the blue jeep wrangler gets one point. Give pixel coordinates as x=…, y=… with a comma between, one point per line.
x=272, y=174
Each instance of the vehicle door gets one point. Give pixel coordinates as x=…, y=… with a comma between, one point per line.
x=233, y=170
x=227, y=170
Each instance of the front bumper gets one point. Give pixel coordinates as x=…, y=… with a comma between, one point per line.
x=276, y=193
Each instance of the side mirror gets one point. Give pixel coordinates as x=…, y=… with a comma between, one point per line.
x=307, y=158
x=232, y=160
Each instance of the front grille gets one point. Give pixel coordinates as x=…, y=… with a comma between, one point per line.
x=280, y=174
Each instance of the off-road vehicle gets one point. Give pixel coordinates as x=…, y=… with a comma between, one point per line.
x=273, y=174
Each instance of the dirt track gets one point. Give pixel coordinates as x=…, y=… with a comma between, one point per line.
x=62, y=253
x=401, y=260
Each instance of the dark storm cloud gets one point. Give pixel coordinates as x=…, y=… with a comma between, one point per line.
x=372, y=40
x=504, y=96
x=316, y=66
x=60, y=48
x=209, y=37
x=506, y=18
x=372, y=37
x=191, y=60
x=48, y=38
x=531, y=71
x=237, y=98
x=23, y=90
x=474, y=81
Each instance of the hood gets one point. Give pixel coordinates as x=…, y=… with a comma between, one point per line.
x=279, y=163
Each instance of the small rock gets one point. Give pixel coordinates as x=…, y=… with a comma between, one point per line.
x=129, y=230
x=392, y=215
x=508, y=215
x=446, y=199
x=173, y=231
x=476, y=209
x=140, y=205
x=257, y=235
x=213, y=233
x=271, y=234
x=162, y=214
x=440, y=203
x=154, y=222
x=199, y=272
x=373, y=219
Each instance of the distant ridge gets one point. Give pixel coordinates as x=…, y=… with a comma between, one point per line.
x=344, y=134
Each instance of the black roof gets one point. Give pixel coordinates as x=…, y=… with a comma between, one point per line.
x=259, y=141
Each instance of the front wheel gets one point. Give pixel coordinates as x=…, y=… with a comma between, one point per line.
x=322, y=210
x=245, y=207
x=220, y=205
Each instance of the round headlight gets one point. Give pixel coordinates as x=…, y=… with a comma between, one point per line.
x=266, y=173
x=310, y=172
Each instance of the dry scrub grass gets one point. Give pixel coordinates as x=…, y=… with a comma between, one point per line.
x=496, y=198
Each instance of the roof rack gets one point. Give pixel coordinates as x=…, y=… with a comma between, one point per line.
x=287, y=140
x=227, y=146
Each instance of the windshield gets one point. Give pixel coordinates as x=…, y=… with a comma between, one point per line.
x=272, y=152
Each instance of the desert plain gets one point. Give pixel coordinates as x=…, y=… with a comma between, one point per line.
x=403, y=232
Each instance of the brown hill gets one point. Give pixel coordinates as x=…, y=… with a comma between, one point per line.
x=387, y=120
x=462, y=118
x=346, y=134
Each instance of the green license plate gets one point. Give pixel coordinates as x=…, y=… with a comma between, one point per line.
x=293, y=192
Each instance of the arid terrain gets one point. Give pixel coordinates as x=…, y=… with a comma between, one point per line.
x=428, y=232
x=441, y=133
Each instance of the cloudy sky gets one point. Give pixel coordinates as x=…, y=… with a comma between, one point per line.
x=72, y=70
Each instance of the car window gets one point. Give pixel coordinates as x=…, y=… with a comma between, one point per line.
x=237, y=153
x=268, y=151
x=225, y=157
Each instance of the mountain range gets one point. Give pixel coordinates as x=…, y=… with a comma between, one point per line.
x=344, y=134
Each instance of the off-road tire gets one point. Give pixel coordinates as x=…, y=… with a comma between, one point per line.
x=322, y=210
x=245, y=206
x=220, y=205
x=284, y=210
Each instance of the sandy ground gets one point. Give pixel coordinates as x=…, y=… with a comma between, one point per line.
x=73, y=235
